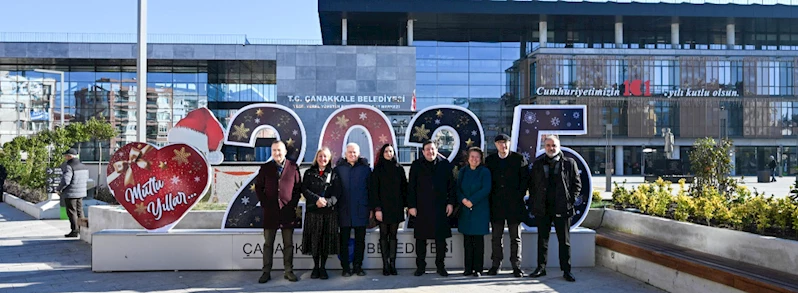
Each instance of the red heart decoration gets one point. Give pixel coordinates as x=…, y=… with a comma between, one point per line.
x=158, y=186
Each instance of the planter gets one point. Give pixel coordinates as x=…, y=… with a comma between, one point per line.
x=771, y=252
x=48, y=209
x=116, y=217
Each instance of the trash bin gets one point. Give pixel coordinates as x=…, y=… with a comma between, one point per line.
x=763, y=176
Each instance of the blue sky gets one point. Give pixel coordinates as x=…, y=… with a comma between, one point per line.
x=271, y=19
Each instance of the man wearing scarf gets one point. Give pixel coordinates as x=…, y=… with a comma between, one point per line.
x=554, y=185
x=278, y=188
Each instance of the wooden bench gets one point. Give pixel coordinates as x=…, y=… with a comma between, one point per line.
x=735, y=274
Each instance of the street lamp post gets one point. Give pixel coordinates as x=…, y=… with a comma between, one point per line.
x=61, y=73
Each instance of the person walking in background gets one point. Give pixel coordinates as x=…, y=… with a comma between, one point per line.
x=3, y=176
x=509, y=179
x=554, y=185
x=279, y=188
x=350, y=187
x=387, y=196
x=473, y=188
x=320, y=234
x=772, y=166
x=431, y=195
x=74, y=181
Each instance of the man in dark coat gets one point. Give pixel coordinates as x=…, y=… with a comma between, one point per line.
x=431, y=195
x=74, y=181
x=509, y=180
x=279, y=188
x=553, y=188
x=351, y=188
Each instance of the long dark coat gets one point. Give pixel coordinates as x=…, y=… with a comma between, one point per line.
x=568, y=187
x=388, y=191
x=350, y=187
x=508, y=186
x=431, y=188
x=474, y=185
x=315, y=186
x=278, y=194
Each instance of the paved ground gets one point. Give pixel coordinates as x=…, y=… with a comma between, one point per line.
x=780, y=188
x=34, y=257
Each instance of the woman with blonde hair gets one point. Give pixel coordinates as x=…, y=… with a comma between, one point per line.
x=320, y=234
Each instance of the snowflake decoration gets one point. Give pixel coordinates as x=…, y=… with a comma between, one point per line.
x=555, y=121
x=576, y=115
x=362, y=116
x=175, y=180
x=548, y=113
x=196, y=179
x=295, y=132
x=568, y=124
x=473, y=133
x=245, y=200
x=437, y=121
x=530, y=117
x=527, y=131
x=257, y=120
x=526, y=155
x=578, y=212
x=578, y=201
x=579, y=172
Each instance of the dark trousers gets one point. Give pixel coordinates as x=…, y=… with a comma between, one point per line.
x=497, y=237
x=562, y=226
x=388, y=241
x=1, y=191
x=288, y=249
x=360, y=246
x=74, y=209
x=421, y=253
x=474, y=248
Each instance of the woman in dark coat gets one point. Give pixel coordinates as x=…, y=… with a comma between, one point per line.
x=473, y=188
x=431, y=196
x=350, y=187
x=387, y=195
x=320, y=235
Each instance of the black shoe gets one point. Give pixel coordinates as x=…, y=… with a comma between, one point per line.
x=290, y=276
x=346, y=273
x=314, y=274
x=539, y=272
x=443, y=272
x=477, y=274
x=493, y=271
x=569, y=277
x=359, y=271
x=419, y=272
x=265, y=277
x=386, y=270
x=323, y=274
x=393, y=268
x=518, y=273
x=72, y=234
x=468, y=273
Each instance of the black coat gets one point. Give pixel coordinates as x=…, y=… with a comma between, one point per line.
x=350, y=187
x=508, y=186
x=315, y=186
x=388, y=191
x=568, y=188
x=279, y=194
x=431, y=187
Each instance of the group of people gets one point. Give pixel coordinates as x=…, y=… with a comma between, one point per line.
x=485, y=194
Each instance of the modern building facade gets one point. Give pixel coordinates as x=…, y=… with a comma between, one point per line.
x=694, y=69
x=719, y=69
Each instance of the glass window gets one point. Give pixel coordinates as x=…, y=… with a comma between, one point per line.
x=453, y=78
x=453, y=65
x=426, y=78
x=485, y=66
x=453, y=52
x=485, y=53
x=426, y=65
x=485, y=91
x=486, y=78
x=452, y=91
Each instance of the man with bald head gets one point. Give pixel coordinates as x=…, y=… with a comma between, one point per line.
x=279, y=188
x=351, y=188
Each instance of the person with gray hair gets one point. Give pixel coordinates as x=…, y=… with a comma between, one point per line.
x=350, y=187
x=553, y=188
x=72, y=189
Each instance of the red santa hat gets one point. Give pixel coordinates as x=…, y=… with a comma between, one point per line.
x=201, y=130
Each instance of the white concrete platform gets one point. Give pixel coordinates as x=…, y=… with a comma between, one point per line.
x=213, y=249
